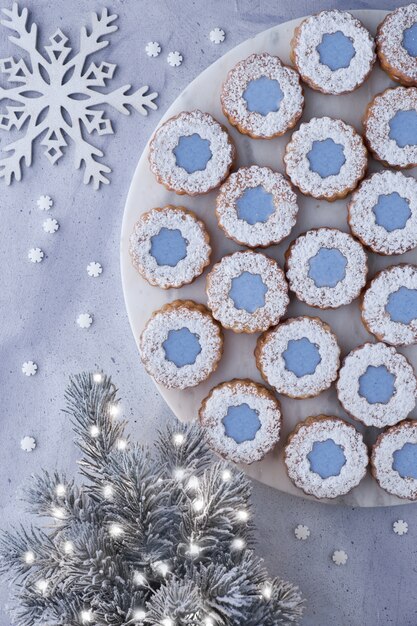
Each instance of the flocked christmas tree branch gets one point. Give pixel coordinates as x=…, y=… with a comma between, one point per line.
x=152, y=538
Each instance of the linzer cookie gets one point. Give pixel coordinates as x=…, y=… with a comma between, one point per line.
x=396, y=41
x=325, y=158
x=333, y=52
x=325, y=457
x=299, y=358
x=181, y=344
x=169, y=247
x=377, y=385
x=326, y=268
x=390, y=127
x=247, y=292
x=262, y=97
x=389, y=307
x=383, y=212
x=394, y=460
x=241, y=420
x=256, y=207
x=191, y=153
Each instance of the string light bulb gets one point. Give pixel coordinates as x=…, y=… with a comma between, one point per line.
x=193, y=483
x=115, y=530
x=179, y=473
x=29, y=557
x=68, y=547
x=139, y=615
x=242, y=515
x=167, y=622
x=226, y=475
x=86, y=616
x=238, y=543
x=114, y=410
x=60, y=490
x=162, y=567
x=58, y=512
x=267, y=591
x=208, y=621
x=140, y=579
x=194, y=549
x=178, y=439
x=198, y=505
x=42, y=585
x=108, y=492
x=121, y=444
x=98, y=377
x=94, y=431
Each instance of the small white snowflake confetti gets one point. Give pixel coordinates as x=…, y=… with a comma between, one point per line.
x=153, y=49
x=29, y=368
x=217, y=35
x=84, y=320
x=400, y=527
x=50, y=226
x=174, y=59
x=302, y=532
x=339, y=557
x=94, y=269
x=28, y=444
x=35, y=255
x=45, y=203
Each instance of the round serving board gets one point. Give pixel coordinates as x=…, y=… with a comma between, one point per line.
x=238, y=359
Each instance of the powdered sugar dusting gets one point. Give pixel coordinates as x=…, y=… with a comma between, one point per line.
x=234, y=393
x=377, y=414
x=192, y=230
x=298, y=165
x=377, y=129
x=307, y=246
x=271, y=363
x=301, y=442
x=307, y=59
x=175, y=316
x=279, y=223
x=219, y=283
x=390, y=43
x=374, y=313
x=382, y=460
x=162, y=158
x=362, y=219
x=253, y=123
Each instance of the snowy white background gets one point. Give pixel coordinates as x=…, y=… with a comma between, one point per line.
x=40, y=303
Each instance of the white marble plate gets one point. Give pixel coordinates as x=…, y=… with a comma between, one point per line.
x=238, y=360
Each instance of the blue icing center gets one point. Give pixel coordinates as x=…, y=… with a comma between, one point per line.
x=410, y=40
x=255, y=205
x=376, y=385
x=168, y=247
x=192, y=153
x=241, y=423
x=403, y=128
x=326, y=157
x=326, y=458
x=301, y=357
x=263, y=95
x=402, y=305
x=327, y=268
x=392, y=211
x=405, y=461
x=248, y=292
x=182, y=347
x=336, y=50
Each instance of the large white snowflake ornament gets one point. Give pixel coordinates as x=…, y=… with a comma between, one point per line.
x=45, y=203
x=302, y=532
x=400, y=527
x=217, y=35
x=55, y=96
x=29, y=368
x=94, y=269
x=50, y=225
x=174, y=59
x=153, y=49
x=339, y=557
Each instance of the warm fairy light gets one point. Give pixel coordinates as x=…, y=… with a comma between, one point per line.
x=238, y=543
x=114, y=410
x=60, y=490
x=115, y=530
x=178, y=439
x=193, y=549
x=86, y=616
x=98, y=377
x=162, y=567
x=193, y=483
x=58, y=512
x=198, y=505
x=179, y=473
x=42, y=585
x=139, y=615
x=108, y=491
x=139, y=579
x=267, y=591
x=167, y=622
x=121, y=444
x=208, y=621
x=68, y=547
x=242, y=515
x=29, y=557
x=94, y=431
x=226, y=475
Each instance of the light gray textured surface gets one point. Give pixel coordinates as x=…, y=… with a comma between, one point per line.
x=40, y=303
